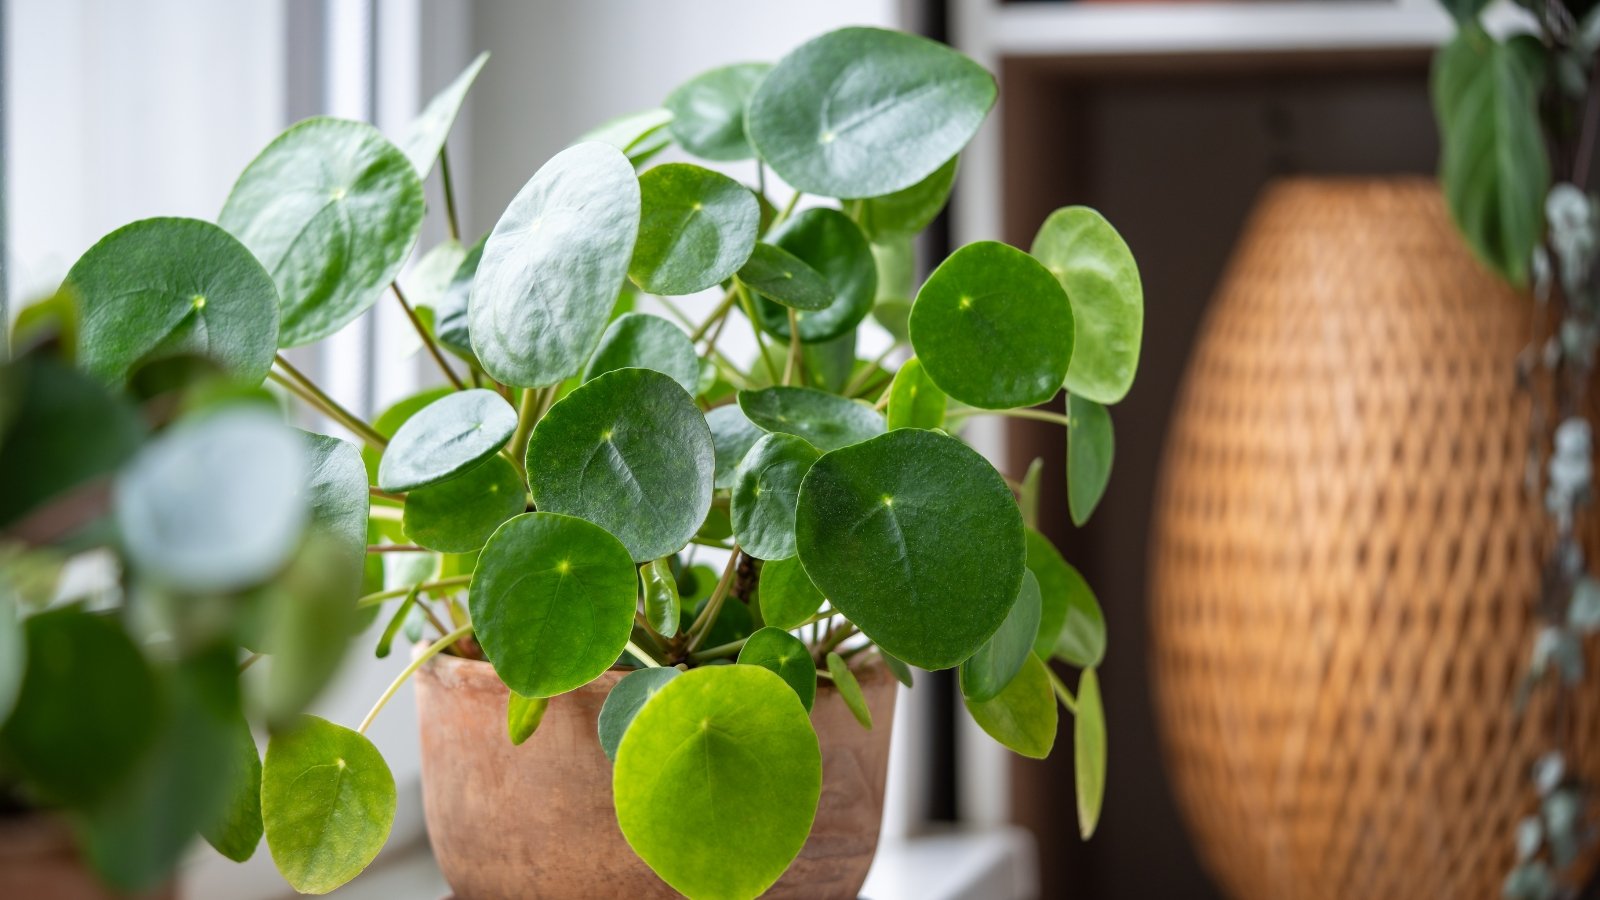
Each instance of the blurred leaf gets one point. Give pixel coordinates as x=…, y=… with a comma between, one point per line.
x=708, y=111
x=1089, y=752
x=237, y=831
x=426, y=134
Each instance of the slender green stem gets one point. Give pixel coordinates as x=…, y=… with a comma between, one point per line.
x=337, y=415
x=640, y=654
x=883, y=398
x=761, y=178
x=707, y=542
x=716, y=335
x=716, y=316
x=733, y=647
x=1062, y=694
x=396, y=548
x=394, y=686
x=703, y=622
x=327, y=404
x=249, y=661
x=449, y=193
x=788, y=210
x=527, y=416
x=835, y=637
x=741, y=380
x=430, y=587
x=755, y=327
x=860, y=379
x=1038, y=415
x=791, y=370
x=427, y=339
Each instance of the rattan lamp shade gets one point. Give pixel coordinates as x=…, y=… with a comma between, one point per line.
x=1346, y=557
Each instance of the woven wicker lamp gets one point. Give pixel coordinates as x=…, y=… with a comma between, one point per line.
x=1346, y=556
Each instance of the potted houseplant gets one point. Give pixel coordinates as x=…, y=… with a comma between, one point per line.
x=658, y=595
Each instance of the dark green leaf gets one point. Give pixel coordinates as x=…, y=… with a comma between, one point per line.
x=426, y=135
x=777, y=274
x=849, y=689
x=826, y=421
x=331, y=209
x=459, y=515
x=630, y=452
x=730, y=749
x=788, y=597
x=1023, y=717
x=523, y=715
x=987, y=672
x=552, y=602
x=828, y=365
x=762, y=505
x=902, y=672
x=733, y=623
x=914, y=400
x=708, y=111
x=786, y=656
x=662, y=605
x=167, y=287
x=237, y=831
x=993, y=327
x=905, y=213
x=915, y=538
x=862, y=112
x=1098, y=272
x=623, y=703
x=450, y=436
x=1089, y=752
x=1072, y=627
x=696, y=229
x=643, y=341
x=733, y=434
x=827, y=241
x=553, y=266
x=1090, y=448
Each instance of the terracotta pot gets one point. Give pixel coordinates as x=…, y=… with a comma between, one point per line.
x=537, y=820
x=39, y=858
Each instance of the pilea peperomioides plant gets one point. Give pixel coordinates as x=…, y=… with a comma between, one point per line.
x=562, y=507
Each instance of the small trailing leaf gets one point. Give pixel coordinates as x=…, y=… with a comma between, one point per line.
x=630, y=452
x=831, y=244
x=523, y=715
x=731, y=749
x=914, y=400
x=552, y=602
x=643, y=341
x=915, y=538
x=768, y=482
x=849, y=689
x=863, y=112
x=1072, y=628
x=826, y=421
x=987, y=672
x=662, y=605
x=1028, y=495
x=236, y=833
x=446, y=438
x=1090, y=448
x=459, y=515
x=785, y=656
x=788, y=597
x=1089, y=752
x=553, y=266
x=331, y=209
x=1023, y=716
x=708, y=111
x=905, y=213
x=626, y=698
x=426, y=135
x=776, y=274
x=993, y=327
x=696, y=229
x=327, y=801
x=1098, y=272
x=901, y=671
x=733, y=434
x=639, y=135
x=166, y=287
x=397, y=620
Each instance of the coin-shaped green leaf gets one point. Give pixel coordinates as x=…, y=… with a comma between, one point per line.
x=993, y=327
x=553, y=266
x=768, y=482
x=776, y=274
x=331, y=209
x=389, y=421
x=696, y=229
x=1023, y=716
x=1098, y=272
x=1089, y=752
x=829, y=242
x=987, y=672
x=623, y=703
x=786, y=656
x=630, y=452
x=787, y=595
x=730, y=749
x=327, y=801
x=862, y=112
x=446, y=438
x=708, y=111
x=426, y=134
x=826, y=421
x=905, y=213
x=236, y=833
x=459, y=515
x=733, y=434
x=849, y=689
x=1091, y=445
x=643, y=341
x=164, y=287
x=552, y=602
x=914, y=400
x=523, y=715
x=662, y=604
x=917, y=539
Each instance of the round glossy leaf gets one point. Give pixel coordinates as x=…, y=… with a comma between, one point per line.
x=331, y=209
x=905, y=213
x=459, y=515
x=914, y=400
x=523, y=715
x=446, y=438
x=390, y=420
x=788, y=597
x=776, y=274
x=1098, y=272
x=552, y=602
x=1091, y=446
x=86, y=711
x=643, y=341
x=785, y=656
x=730, y=749
x=426, y=135
x=662, y=603
x=762, y=505
x=553, y=266
x=697, y=228
x=915, y=538
x=987, y=672
x=630, y=452
x=733, y=434
x=849, y=689
x=1023, y=716
x=327, y=801
x=827, y=241
x=1089, y=752
x=993, y=328
x=165, y=287
x=862, y=112
x=826, y=421
x=627, y=697
x=708, y=111
x=215, y=503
